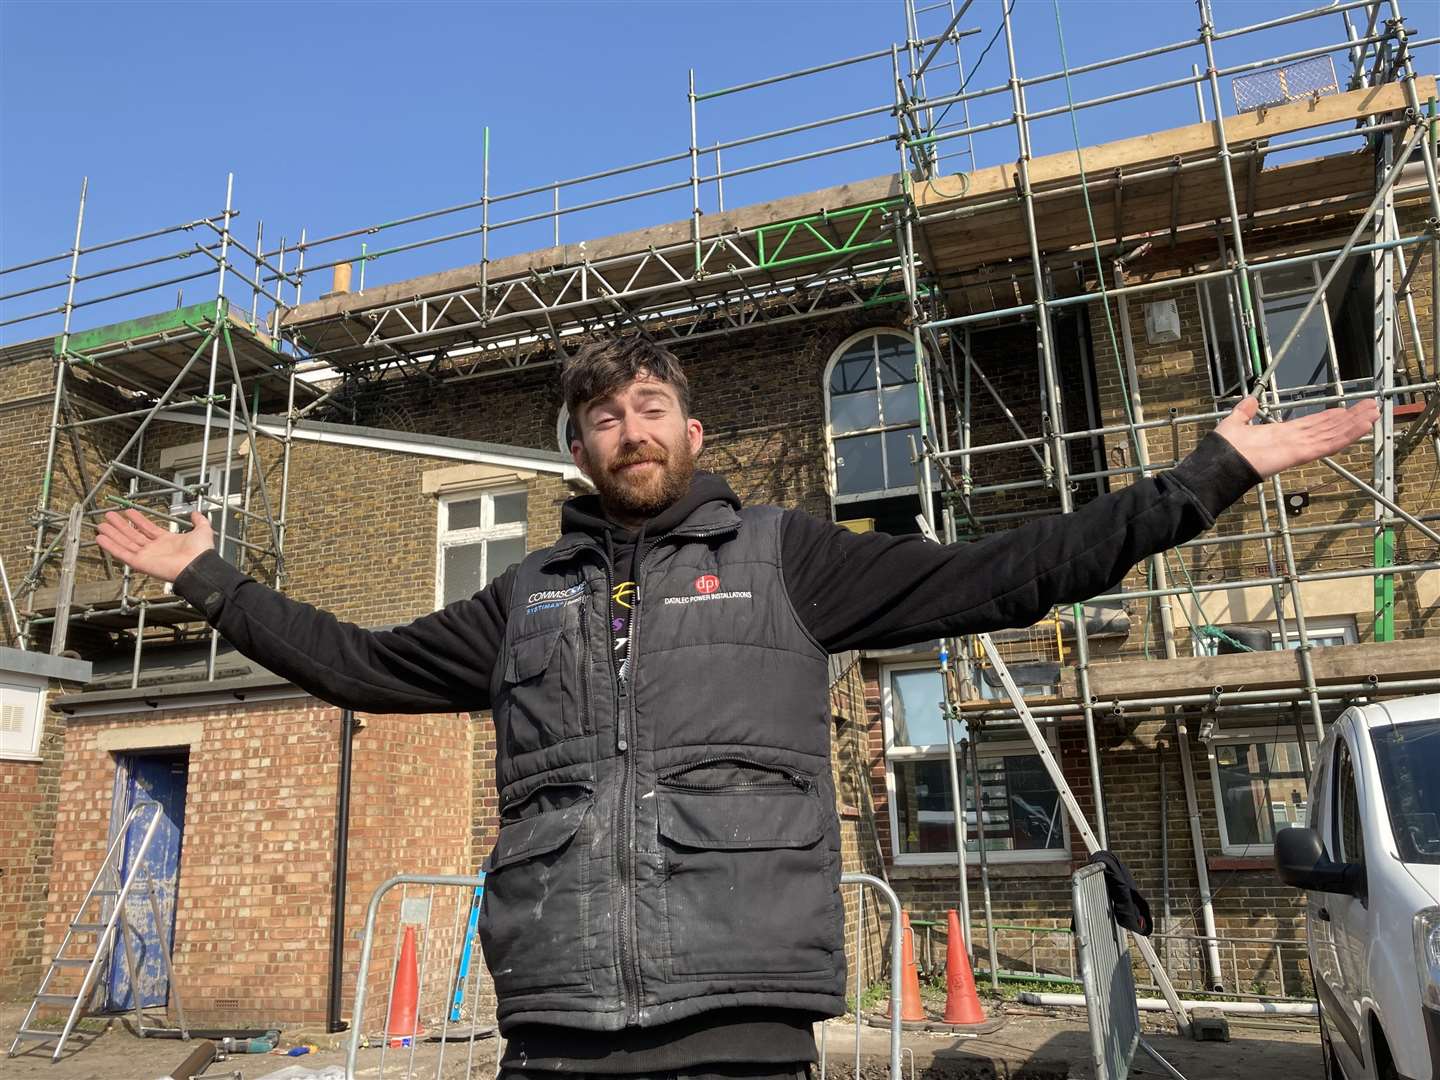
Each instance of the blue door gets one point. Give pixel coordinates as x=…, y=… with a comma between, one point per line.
x=162, y=779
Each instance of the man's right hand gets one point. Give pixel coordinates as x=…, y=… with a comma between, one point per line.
x=145, y=547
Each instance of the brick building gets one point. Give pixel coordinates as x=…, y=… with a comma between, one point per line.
x=427, y=452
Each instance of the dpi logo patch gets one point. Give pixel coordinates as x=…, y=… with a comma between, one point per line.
x=707, y=587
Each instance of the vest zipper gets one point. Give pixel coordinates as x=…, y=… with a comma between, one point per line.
x=790, y=777
x=625, y=825
x=586, y=713
x=629, y=940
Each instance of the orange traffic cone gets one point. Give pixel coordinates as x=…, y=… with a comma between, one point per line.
x=402, y=1024
x=962, y=1004
x=911, y=1011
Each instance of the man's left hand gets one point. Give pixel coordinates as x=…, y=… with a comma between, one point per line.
x=1271, y=448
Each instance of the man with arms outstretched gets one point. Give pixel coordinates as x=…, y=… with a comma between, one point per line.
x=663, y=895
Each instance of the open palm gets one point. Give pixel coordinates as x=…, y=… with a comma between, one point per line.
x=1271, y=448
x=143, y=546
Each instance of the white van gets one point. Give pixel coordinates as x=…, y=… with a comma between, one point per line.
x=1369, y=859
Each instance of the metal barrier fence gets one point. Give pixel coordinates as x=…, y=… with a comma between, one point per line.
x=897, y=944
x=1048, y=953
x=1108, y=978
x=1275, y=951
x=438, y=911
x=1106, y=974
x=448, y=979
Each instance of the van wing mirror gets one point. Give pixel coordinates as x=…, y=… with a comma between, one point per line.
x=1301, y=862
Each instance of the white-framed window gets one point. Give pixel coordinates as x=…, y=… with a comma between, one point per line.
x=480, y=534
x=1260, y=786
x=221, y=517
x=1022, y=817
x=182, y=465
x=562, y=429
x=872, y=408
x=1323, y=635
x=20, y=719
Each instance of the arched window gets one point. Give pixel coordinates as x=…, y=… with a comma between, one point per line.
x=562, y=429
x=872, y=409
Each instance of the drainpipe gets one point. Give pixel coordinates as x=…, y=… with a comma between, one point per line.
x=348, y=727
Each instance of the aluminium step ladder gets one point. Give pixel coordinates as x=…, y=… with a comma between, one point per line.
x=113, y=895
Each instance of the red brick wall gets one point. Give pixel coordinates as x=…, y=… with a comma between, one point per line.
x=28, y=795
x=28, y=789
x=254, y=895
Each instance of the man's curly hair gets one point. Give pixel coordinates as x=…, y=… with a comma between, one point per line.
x=604, y=367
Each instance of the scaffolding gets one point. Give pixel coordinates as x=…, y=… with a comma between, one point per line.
x=960, y=246
x=209, y=366
x=1062, y=260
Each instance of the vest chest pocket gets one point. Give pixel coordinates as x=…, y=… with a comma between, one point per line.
x=542, y=695
x=534, y=918
x=750, y=885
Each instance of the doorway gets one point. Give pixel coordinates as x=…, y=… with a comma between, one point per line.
x=161, y=776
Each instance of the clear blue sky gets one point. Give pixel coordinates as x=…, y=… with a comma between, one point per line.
x=334, y=116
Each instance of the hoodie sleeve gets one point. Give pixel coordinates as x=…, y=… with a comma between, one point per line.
x=441, y=662
x=870, y=590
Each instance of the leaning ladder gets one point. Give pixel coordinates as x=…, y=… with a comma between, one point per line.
x=107, y=886
x=1077, y=818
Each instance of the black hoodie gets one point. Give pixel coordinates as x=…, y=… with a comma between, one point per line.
x=850, y=590
x=768, y=1036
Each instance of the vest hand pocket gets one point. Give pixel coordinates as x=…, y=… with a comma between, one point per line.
x=750, y=886
x=534, y=916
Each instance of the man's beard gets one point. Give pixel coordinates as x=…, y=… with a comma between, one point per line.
x=647, y=493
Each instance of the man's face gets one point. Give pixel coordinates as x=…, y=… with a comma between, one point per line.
x=638, y=448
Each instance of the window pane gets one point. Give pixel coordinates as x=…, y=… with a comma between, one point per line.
x=462, y=571
x=897, y=457
x=854, y=412
x=1319, y=639
x=855, y=370
x=1262, y=788
x=1305, y=363
x=901, y=404
x=509, y=508
x=987, y=680
x=1352, y=828
x=857, y=465
x=1226, y=357
x=1032, y=804
x=897, y=361
x=503, y=554
x=915, y=697
x=1021, y=807
x=1288, y=279
x=230, y=551
x=923, y=807
x=466, y=514
x=1409, y=757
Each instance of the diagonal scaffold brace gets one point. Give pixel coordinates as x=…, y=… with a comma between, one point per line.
x=1077, y=819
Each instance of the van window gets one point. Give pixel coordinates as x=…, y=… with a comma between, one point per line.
x=1349, y=827
x=1408, y=756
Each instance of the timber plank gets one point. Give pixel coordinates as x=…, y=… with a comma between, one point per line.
x=1162, y=146
x=1388, y=661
